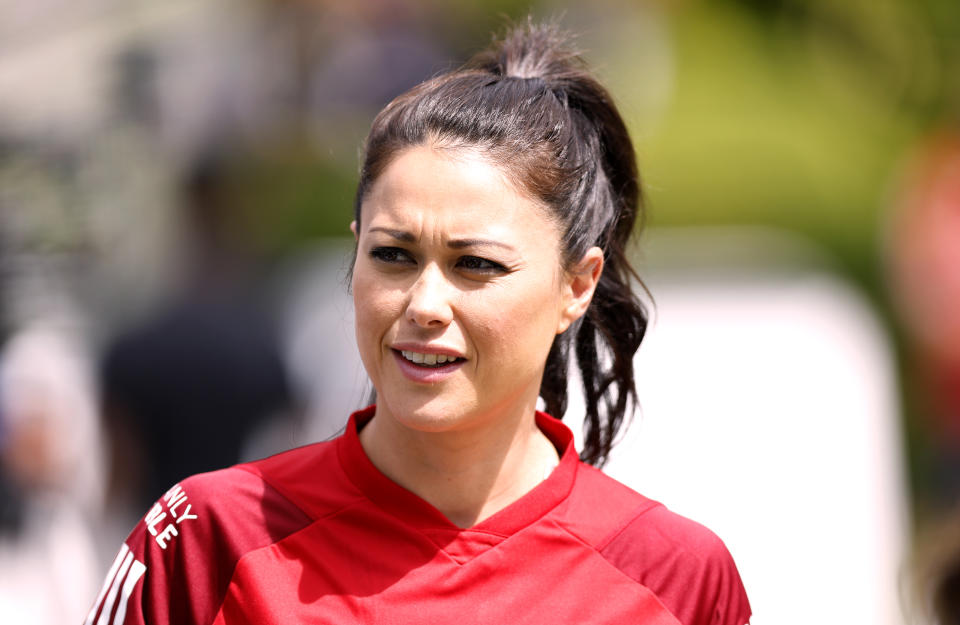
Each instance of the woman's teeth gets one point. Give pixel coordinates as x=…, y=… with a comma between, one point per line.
x=427, y=359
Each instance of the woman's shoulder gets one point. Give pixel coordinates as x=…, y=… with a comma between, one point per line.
x=289, y=488
x=606, y=511
x=257, y=500
x=265, y=486
x=173, y=564
x=683, y=562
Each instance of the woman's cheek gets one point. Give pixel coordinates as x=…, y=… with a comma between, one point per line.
x=370, y=319
x=502, y=334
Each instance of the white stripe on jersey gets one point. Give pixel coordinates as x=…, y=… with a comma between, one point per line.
x=136, y=572
x=114, y=589
x=106, y=583
x=125, y=570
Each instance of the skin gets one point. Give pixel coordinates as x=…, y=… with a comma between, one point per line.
x=453, y=259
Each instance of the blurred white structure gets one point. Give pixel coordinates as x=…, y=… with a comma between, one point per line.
x=769, y=413
x=51, y=448
x=320, y=346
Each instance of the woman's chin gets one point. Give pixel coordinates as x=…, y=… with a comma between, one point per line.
x=434, y=415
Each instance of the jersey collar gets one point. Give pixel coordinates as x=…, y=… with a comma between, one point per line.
x=416, y=511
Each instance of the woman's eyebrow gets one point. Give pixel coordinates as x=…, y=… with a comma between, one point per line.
x=457, y=244
x=400, y=235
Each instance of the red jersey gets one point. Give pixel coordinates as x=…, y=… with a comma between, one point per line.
x=318, y=535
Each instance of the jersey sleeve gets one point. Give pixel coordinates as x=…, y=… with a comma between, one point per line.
x=685, y=564
x=176, y=564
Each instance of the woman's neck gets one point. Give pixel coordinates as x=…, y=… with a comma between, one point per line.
x=468, y=475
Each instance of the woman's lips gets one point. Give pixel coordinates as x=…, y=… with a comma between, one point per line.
x=426, y=373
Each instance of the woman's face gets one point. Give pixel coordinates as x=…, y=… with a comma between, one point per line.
x=458, y=291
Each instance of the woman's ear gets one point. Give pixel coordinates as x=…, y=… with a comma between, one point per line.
x=580, y=281
x=353, y=229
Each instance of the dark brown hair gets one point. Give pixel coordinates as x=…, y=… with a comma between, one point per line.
x=530, y=106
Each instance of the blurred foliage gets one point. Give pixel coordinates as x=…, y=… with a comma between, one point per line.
x=287, y=195
x=790, y=114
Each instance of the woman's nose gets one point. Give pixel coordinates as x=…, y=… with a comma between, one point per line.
x=429, y=303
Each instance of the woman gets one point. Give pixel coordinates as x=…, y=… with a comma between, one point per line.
x=492, y=212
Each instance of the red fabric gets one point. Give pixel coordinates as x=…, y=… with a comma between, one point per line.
x=318, y=534
x=187, y=569
x=678, y=559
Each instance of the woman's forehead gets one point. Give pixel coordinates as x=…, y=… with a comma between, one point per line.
x=432, y=167
x=458, y=189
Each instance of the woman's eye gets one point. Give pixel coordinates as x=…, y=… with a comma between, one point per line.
x=480, y=265
x=393, y=255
